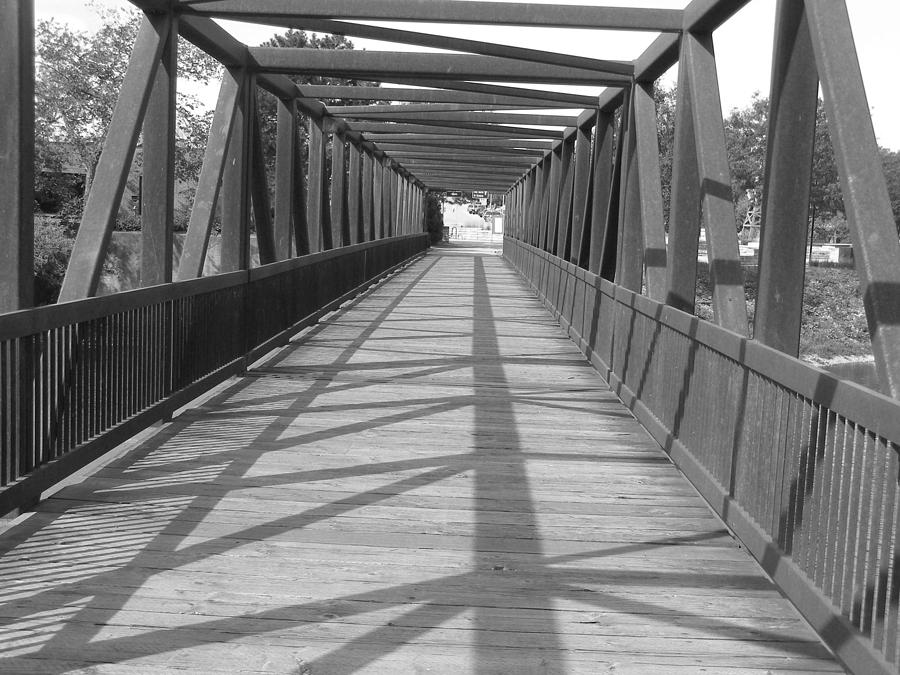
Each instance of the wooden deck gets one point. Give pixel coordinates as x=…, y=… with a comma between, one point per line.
x=431, y=480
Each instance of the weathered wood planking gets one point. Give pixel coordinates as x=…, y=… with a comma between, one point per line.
x=431, y=480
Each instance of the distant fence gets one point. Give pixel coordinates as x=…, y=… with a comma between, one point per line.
x=801, y=465
x=78, y=378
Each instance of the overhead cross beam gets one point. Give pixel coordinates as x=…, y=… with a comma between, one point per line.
x=447, y=11
x=504, y=96
x=406, y=66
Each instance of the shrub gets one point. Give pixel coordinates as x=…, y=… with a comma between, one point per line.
x=52, y=248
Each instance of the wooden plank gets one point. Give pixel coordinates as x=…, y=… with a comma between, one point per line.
x=355, y=505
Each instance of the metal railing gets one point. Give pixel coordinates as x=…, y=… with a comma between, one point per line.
x=802, y=466
x=78, y=378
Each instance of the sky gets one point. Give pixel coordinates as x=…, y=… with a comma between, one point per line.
x=743, y=46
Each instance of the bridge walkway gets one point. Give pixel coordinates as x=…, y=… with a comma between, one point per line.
x=432, y=479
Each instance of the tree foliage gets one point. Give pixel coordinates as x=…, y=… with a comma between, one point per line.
x=267, y=105
x=746, y=131
x=78, y=78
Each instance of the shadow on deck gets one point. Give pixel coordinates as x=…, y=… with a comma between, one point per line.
x=433, y=479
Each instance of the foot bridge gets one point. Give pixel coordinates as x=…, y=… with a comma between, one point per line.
x=372, y=454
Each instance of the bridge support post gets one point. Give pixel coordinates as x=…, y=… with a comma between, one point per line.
x=354, y=190
x=340, y=235
x=785, y=211
x=872, y=228
x=102, y=205
x=235, y=244
x=193, y=256
x=726, y=278
x=158, y=189
x=17, y=155
x=259, y=189
x=285, y=177
x=629, y=260
x=581, y=192
x=316, y=195
x=567, y=181
x=367, y=196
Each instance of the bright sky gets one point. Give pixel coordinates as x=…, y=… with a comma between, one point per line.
x=743, y=46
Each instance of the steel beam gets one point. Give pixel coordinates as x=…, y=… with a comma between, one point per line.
x=396, y=36
x=196, y=242
x=317, y=196
x=875, y=247
x=726, y=278
x=458, y=128
x=262, y=211
x=102, y=206
x=419, y=95
x=789, y=154
x=158, y=165
x=385, y=66
x=449, y=11
x=285, y=153
x=17, y=155
x=235, y=242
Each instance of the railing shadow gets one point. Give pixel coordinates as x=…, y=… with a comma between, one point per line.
x=108, y=548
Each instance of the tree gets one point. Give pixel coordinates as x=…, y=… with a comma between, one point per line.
x=267, y=108
x=78, y=77
x=665, y=98
x=890, y=160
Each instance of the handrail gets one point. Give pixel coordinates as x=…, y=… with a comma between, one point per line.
x=801, y=465
x=80, y=377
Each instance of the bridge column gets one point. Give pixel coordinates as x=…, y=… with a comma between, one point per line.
x=105, y=197
x=581, y=193
x=649, y=191
x=340, y=234
x=563, y=234
x=785, y=213
x=377, y=198
x=193, y=255
x=368, y=206
x=713, y=184
x=316, y=195
x=235, y=244
x=876, y=249
x=285, y=177
x=354, y=201
x=158, y=185
x=629, y=260
x=548, y=238
x=17, y=155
